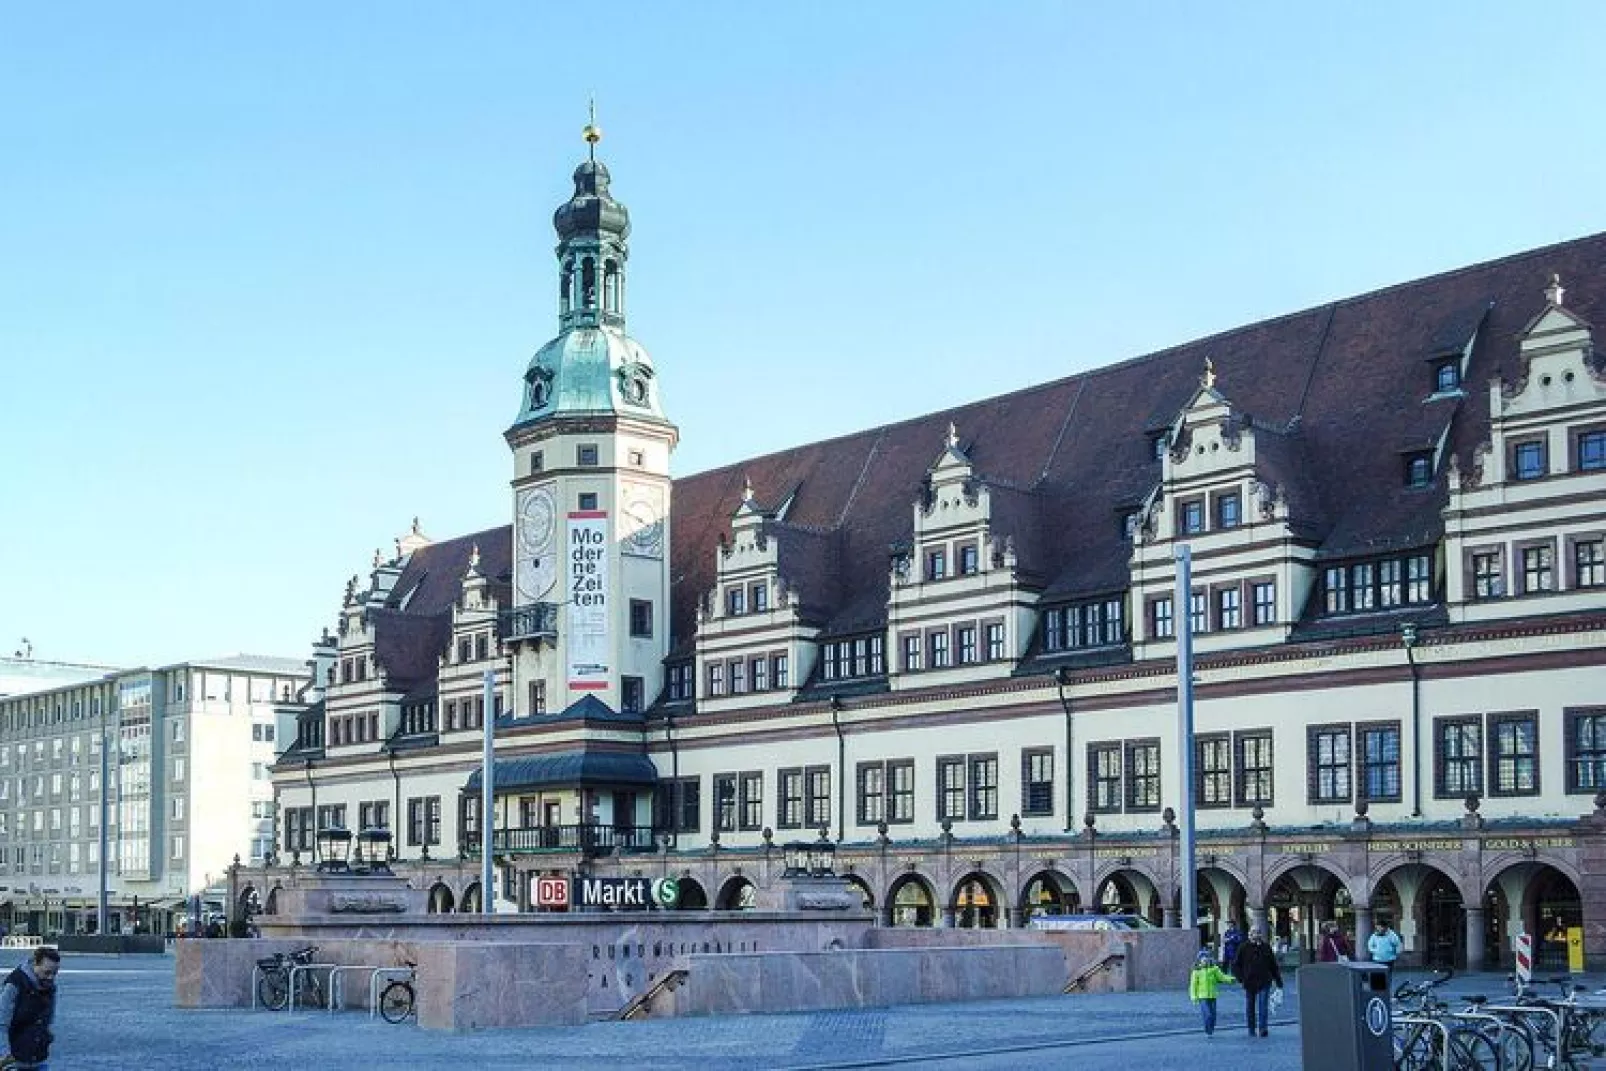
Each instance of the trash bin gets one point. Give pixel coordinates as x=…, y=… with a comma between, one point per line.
x=1345, y=1020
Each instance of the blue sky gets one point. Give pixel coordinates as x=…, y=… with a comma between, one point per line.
x=269, y=273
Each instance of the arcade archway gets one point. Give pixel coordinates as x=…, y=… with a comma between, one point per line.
x=1300, y=900
x=913, y=903
x=440, y=899
x=1049, y=893
x=1424, y=906
x=1533, y=898
x=975, y=903
x=693, y=897
x=735, y=895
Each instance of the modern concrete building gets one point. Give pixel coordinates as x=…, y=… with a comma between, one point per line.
x=948, y=644
x=192, y=745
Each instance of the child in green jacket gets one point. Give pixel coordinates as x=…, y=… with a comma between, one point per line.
x=1202, y=983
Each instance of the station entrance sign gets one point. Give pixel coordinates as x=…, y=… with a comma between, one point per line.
x=623, y=894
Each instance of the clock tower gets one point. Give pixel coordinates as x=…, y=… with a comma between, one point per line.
x=591, y=486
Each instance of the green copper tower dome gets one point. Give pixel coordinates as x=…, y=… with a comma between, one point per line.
x=593, y=367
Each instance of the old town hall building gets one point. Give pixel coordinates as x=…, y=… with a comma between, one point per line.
x=947, y=644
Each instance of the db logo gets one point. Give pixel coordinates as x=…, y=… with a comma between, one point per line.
x=552, y=892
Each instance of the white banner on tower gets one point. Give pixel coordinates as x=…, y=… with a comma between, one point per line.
x=587, y=634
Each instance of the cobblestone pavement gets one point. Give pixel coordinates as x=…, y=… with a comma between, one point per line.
x=118, y=1013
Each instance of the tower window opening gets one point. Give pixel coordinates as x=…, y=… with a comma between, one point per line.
x=565, y=290
x=610, y=286
x=588, y=283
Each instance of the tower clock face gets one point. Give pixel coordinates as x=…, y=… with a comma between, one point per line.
x=536, y=566
x=645, y=525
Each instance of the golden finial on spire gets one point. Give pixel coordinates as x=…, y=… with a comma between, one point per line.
x=592, y=133
x=1209, y=377
x=1555, y=292
x=747, y=489
x=953, y=435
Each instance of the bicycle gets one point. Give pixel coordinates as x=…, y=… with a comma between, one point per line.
x=396, y=1002
x=1429, y=1036
x=273, y=987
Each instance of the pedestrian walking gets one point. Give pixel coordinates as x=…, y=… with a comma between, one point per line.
x=1203, y=982
x=27, y=1008
x=1255, y=967
x=1384, y=947
x=1334, y=948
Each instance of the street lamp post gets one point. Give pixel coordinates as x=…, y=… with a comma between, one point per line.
x=105, y=766
x=488, y=794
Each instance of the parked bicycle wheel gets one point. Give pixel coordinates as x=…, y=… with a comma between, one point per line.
x=309, y=992
x=1471, y=1051
x=1414, y=1048
x=1511, y=1042
x=396, y=1002
x=273, y=990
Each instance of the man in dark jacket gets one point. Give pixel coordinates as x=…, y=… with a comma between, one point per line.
x=1256, y=969
x=27, y=1007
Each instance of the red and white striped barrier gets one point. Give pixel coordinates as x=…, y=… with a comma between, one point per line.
x=1524, y=944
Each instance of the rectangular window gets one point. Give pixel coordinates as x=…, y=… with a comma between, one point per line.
x=678, y=805
x=1199, y=613
x=1458, y=759
x=641, y=618
x=1104, y=777
x=760, y=668
x=819, y=796
x=995, y=642
x=950, y=788
x=1143, y=775
x=632, y=695
x=1418, y=578
x=482, y=646
x=1514, y=754
x=1362, y=586
x=939, y=649
x=1160, y=622
x=967, y=644
x=1486, y=580
x=1591, y=451
x=735, y=602
x=1254, y=768
x=1229, y=510
x=761, y=597
x=588, y=502
x=872, y=793
x=1265, y=595
x=716, y=679
x=537, y=697
x=738, y=672
x=969, y=560
x=725, y=803
x=537, y=461
x=1190, y=517
x=1054, y=630
x=1538, y=569
x=751, y=786
x=789, y=801
x=1380, y=762
x=983, y=787
x=1335, y=589
x=1037, y=781
x=585, y=455
x=1528, y=460
x=779, y=664
x=1589, y=563
x=900, y=791
x=1213, y=764
x=1586, y=749
x=1390, y=591
x=936, y=564
x=1229, y=611
x=1446, y=376
x=1329, y=764
x=1418, y=469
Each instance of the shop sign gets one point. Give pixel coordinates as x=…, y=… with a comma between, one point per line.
x=1125, y=853
x=1415, y=845
x=1517, y=844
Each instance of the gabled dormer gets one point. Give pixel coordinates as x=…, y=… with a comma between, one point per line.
x=754, y=644
x=1233, y=490
x=1524, y=528
x=955, y=600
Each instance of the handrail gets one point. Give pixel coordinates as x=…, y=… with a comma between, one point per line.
x=1097, y=967
x=668, y=982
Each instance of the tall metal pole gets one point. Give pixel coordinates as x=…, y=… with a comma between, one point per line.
x=487, y=796
x=1183, y=617
x=101, y=904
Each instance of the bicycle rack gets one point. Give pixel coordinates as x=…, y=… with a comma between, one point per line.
x=335, y=988
x=1554, y=1049
x=387, y=974
x=296, y=973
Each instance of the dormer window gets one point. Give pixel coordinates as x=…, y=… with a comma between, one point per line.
x=1157, y=445
x=1528, y=460
x=1447, y=376
x=1229, y=510
x=968, y=560
x=1418, y=469
x=1190, y=517
x=735, y=602
x=761, y=597
x=936, y=564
